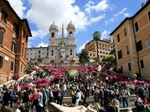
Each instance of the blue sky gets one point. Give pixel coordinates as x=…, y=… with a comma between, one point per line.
x=87, y=15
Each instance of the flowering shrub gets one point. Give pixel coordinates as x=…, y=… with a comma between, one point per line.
x=39, y=81
x=113, y=61
x=106, y=67
x=16, y=76
x=24, y=86
x=42, y=82
x=119, y=70
x=52, y=61
x=57, y=77
x=120, y=77
x=41, y=85
x=35, y=68
x=94, y=72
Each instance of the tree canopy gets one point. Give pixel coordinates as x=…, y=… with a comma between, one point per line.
x=83, y=57
x=96, y=35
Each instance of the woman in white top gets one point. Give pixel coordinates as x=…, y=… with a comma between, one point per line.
x=78, y=97
x=15, y=108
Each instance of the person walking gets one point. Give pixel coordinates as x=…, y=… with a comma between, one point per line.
x=59, y=97
x=64, y=89
x=34, y=100
x=50, y=95
x=40, y=101
x=13, y=96
x=125, y=93
x=6, y=98
x=45, y=98
x=25, y=98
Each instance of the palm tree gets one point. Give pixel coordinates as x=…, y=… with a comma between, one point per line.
x=96, y=35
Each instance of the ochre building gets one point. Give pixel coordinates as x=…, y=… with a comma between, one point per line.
x=14, y=33
x=98, y=49
x=132, y=41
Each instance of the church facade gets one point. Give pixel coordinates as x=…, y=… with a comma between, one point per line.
x=60, y=50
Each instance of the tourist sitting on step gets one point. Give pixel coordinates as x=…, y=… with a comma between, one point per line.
x=146, y=103
x=139, y=104
x=115, y=104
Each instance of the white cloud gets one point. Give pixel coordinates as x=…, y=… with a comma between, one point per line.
x=96, y=19
x=126, y=14
x=36, y=34
x=17, y=5
x=42, y=45
x=88, y=7
x=44, y=13
x=101, y=6
x=118, y=14
x=105, y=34
x=109, y=21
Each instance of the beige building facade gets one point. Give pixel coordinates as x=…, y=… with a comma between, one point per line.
x=132, y=42
x=103, y=49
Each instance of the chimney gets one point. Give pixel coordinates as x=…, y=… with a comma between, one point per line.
x=142, y=5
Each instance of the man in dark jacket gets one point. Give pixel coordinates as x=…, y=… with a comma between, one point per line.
x=25, y=97
x=13, y=96
x=59, y=97
x=50, y=95
x=6, y=98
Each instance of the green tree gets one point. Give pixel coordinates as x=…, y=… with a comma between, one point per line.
x=83, y=57
x=52, y=62
x=107, y=59
x=96, y=35
x=113, y=51
x=39, y=60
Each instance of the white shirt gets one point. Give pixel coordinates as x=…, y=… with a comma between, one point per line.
x=17, y=110
x=64, y=87
x=79, y=96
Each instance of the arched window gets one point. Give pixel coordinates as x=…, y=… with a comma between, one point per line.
x=53, y=34
x=70, y=51
x=70, y=34
x=52, y=52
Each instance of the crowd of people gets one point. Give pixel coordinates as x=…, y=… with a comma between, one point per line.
x=107, y=93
